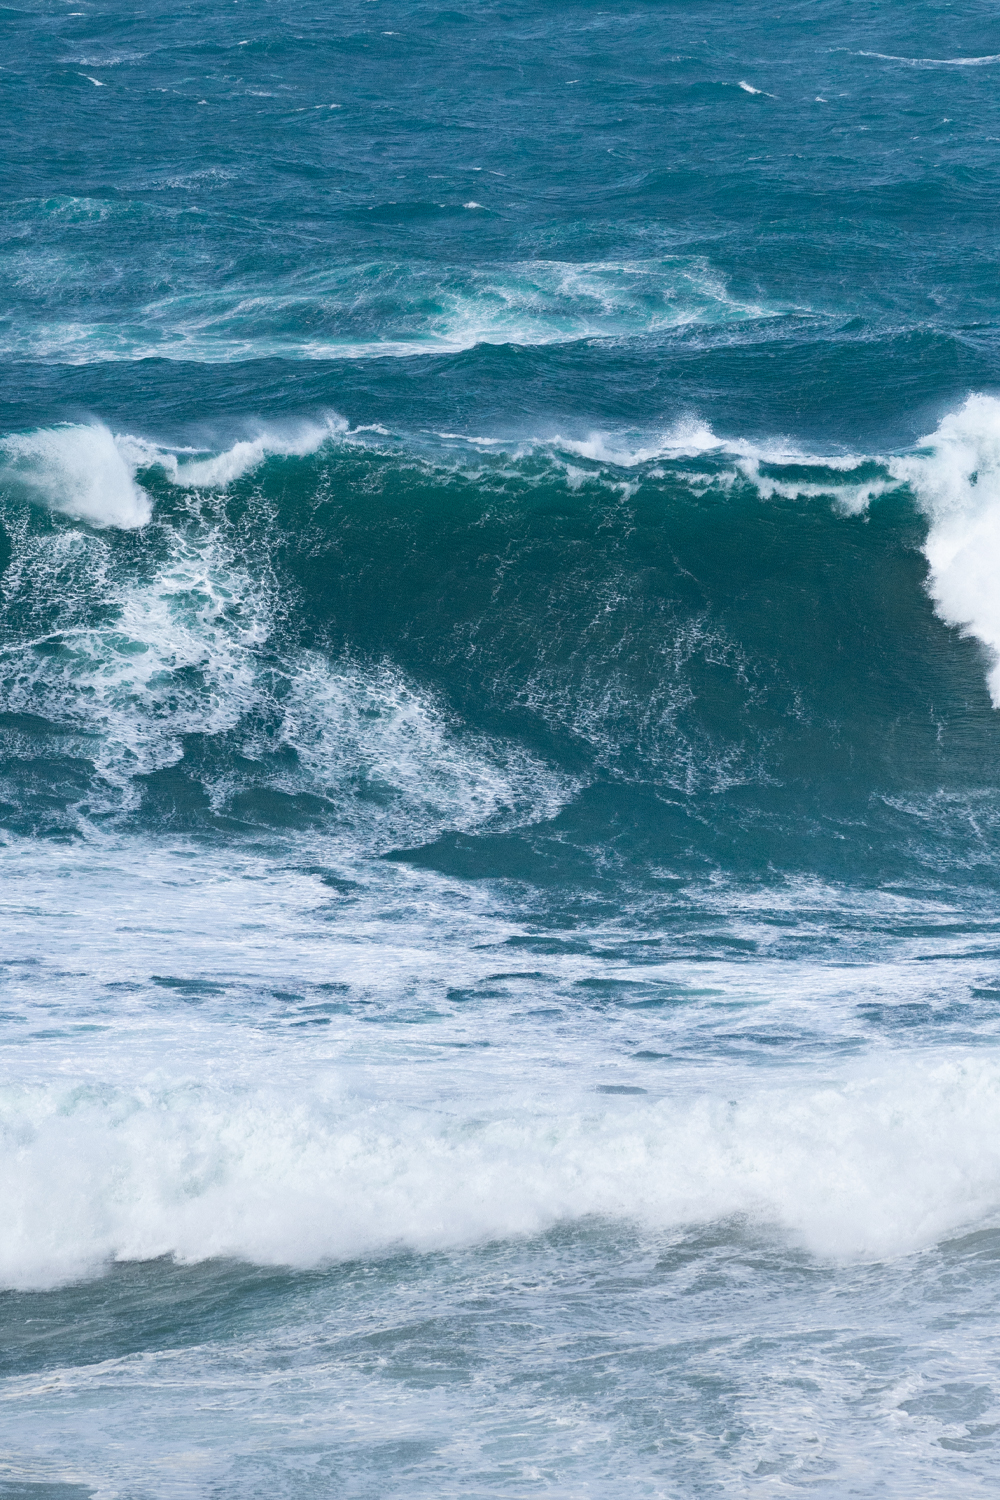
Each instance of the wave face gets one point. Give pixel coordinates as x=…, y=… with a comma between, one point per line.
x=329, y=627
x=499, y=729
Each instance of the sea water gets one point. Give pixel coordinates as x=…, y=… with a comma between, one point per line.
x=500, y=787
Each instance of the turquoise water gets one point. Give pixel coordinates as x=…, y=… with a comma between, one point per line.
x=499, y=799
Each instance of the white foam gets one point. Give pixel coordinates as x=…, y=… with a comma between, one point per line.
x=384, y=751
x=957, y=483
x=693, y=438
x=218, y=470
x=849, y=499
x=173, y=653
x=749, y=89
x=80, y=470
x=135, y=659
x=954, y=474
x=86, y=471
x=111, y=60
x=300, y=1159
x=686, y=439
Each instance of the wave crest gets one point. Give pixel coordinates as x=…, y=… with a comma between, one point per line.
x=80, y=470
x=957, y=484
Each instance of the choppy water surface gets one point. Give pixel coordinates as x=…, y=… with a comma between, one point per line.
x=499, y=792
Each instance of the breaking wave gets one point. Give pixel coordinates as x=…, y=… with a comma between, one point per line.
x=360, y=618
x=875, y=1160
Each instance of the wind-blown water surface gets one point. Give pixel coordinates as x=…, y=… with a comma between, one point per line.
x=500, y=779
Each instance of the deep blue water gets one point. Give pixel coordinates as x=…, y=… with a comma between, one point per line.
x=500, y=788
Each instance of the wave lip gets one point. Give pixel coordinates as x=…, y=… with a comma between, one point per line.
x=191, y=470
x=956, y=480
x=88, y=472
x=953, y=473
x=776, y=467
x=79, y=469
x=129, y=660
x=198, y=632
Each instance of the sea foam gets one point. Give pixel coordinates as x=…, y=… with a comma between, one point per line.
x=386, y=309
x=936, y=62
x=953, y=473
x=89, y=472
x=135, y=660
x=299, y=1160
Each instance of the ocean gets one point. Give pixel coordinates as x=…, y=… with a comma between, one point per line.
x=499, y=750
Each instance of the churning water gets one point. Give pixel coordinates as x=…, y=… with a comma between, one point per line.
x=499, y=750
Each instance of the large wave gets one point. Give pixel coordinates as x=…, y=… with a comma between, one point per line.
x=459, y=631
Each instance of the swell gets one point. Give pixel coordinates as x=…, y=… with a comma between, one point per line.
x=373, y=309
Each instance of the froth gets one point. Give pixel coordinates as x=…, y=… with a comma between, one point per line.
x=387, y=755
x=757, y=461
x=129, y=661
x=936, y=62
x=685, y=440
x=954, y=474
x=172, y=656
x=871, y=1162
x=385, y=309
x=88, y=472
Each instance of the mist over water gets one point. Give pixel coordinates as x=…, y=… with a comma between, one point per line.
x=499, y=669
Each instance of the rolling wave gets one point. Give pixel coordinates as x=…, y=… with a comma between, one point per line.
x=873, y=1160
x=398, y=635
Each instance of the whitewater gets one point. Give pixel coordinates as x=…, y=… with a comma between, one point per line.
x=499, y=718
